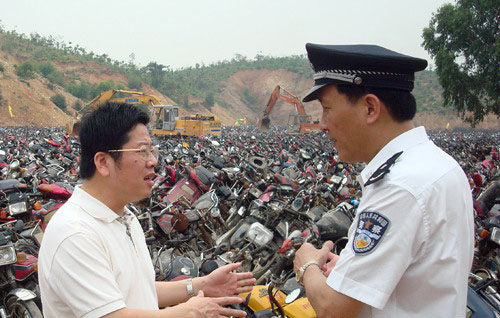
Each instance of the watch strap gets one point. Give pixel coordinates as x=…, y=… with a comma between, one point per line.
x=299, y=276
x=189, y=287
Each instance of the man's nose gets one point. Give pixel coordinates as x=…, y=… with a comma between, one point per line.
x=322, y=124
x=152, y=161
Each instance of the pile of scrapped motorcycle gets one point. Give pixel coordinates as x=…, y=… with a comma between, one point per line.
x=247, y=196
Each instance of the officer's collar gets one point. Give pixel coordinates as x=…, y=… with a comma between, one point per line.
x=402, y=142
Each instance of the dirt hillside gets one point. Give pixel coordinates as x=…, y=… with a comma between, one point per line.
x=30, y=103
x=29, y=100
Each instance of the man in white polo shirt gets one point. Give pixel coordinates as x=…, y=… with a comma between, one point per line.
x=411, y=243
x=94, y=261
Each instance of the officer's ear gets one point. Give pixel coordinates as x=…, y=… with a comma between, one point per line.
x=373, y=108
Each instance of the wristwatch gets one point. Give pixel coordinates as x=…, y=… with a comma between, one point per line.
x=299, y=276
x=189, y=287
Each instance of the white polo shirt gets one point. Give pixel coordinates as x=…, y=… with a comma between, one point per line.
x=89, y=266
x=410, y=246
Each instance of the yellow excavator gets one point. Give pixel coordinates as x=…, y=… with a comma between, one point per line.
x=165, y=118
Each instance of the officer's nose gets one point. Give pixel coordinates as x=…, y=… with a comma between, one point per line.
x=322, y=124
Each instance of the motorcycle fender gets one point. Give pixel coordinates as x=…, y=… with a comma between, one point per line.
x=259, y=300
x=300, y=308
x=22, y=293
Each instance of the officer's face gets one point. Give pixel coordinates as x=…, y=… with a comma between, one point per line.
x=342, y=120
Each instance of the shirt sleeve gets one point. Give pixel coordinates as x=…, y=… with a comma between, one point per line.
x=370, y=272
x=83, y=278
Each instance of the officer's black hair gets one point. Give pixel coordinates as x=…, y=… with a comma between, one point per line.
x=401, y=104
x=104, y=129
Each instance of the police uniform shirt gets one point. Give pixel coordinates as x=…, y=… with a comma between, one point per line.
x=410, y=246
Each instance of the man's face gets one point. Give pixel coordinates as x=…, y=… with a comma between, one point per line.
x=132, y=174
x=342, y=120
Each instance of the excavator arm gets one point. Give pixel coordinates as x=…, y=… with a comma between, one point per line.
x=107, y=96
x=265, y=121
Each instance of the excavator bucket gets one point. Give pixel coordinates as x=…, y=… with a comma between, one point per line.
x=265, y=123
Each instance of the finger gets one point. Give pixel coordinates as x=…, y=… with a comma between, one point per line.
x=247, y=282
x=200, y=294
x=244, y=275
x=327, y=246
x=331, y=256
x=245, y=289
x=224, y=301
x=230, y=312
x=230, y=267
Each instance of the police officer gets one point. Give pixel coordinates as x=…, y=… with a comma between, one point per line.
x=411, y=243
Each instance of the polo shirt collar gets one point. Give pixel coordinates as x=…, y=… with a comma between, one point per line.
x=93, y=206
x=406, y=140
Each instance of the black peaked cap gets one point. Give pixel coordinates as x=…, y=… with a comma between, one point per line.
x=361, y=65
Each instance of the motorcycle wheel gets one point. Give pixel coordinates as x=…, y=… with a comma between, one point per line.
x=23, y=309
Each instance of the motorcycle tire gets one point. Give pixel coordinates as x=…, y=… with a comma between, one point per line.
x=23, y=309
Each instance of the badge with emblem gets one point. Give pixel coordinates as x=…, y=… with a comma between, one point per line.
x=369, y=232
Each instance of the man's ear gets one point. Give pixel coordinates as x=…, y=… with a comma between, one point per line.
x=103, y=163
x=373, y=108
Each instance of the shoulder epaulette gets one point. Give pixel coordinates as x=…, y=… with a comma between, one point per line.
x=383, y=169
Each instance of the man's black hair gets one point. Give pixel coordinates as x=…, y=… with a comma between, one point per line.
x=401, y=104
x=104, y=129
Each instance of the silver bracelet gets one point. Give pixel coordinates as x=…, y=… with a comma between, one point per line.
x=189, y=287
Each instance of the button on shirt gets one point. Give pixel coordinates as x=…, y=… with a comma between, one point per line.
x=419, y=266
x=93, y=262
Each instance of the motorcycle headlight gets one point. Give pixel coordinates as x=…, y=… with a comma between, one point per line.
x=495, y=235
x=259, y=234
x=18, y=208
x=7, y=255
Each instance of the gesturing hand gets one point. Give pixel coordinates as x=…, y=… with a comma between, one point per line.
x=223, y=282
x=206, y=307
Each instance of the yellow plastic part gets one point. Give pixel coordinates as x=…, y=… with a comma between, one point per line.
x=300, y=308
x=259, y=300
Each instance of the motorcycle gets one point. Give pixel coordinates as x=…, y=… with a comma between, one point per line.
x=18, y=287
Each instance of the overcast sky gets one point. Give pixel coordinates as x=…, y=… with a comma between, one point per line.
x=183, y=33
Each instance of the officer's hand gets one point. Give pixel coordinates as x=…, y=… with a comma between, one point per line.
x=207, y=307
x=307, y=253
x=330, y=264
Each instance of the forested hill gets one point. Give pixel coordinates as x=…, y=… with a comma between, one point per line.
x=46, y=82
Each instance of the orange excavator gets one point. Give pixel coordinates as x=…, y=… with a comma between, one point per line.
x=298, y=122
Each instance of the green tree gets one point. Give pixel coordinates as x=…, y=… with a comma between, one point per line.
x=209, y=99
x=464, y=41
x=134, y=82
x=56, y=78
x=77, y=105
x=46, y=68
x=26, y=70
x=157, y=73
x=59, y=101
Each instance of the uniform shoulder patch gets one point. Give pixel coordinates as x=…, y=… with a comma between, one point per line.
x=383, y=169
x=369, y=231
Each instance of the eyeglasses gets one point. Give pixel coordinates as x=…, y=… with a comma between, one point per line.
x=145, y=151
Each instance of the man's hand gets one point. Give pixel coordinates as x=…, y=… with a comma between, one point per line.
x=206, y=307
x=307, y=253
x=223, y=282
x=330, y=264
